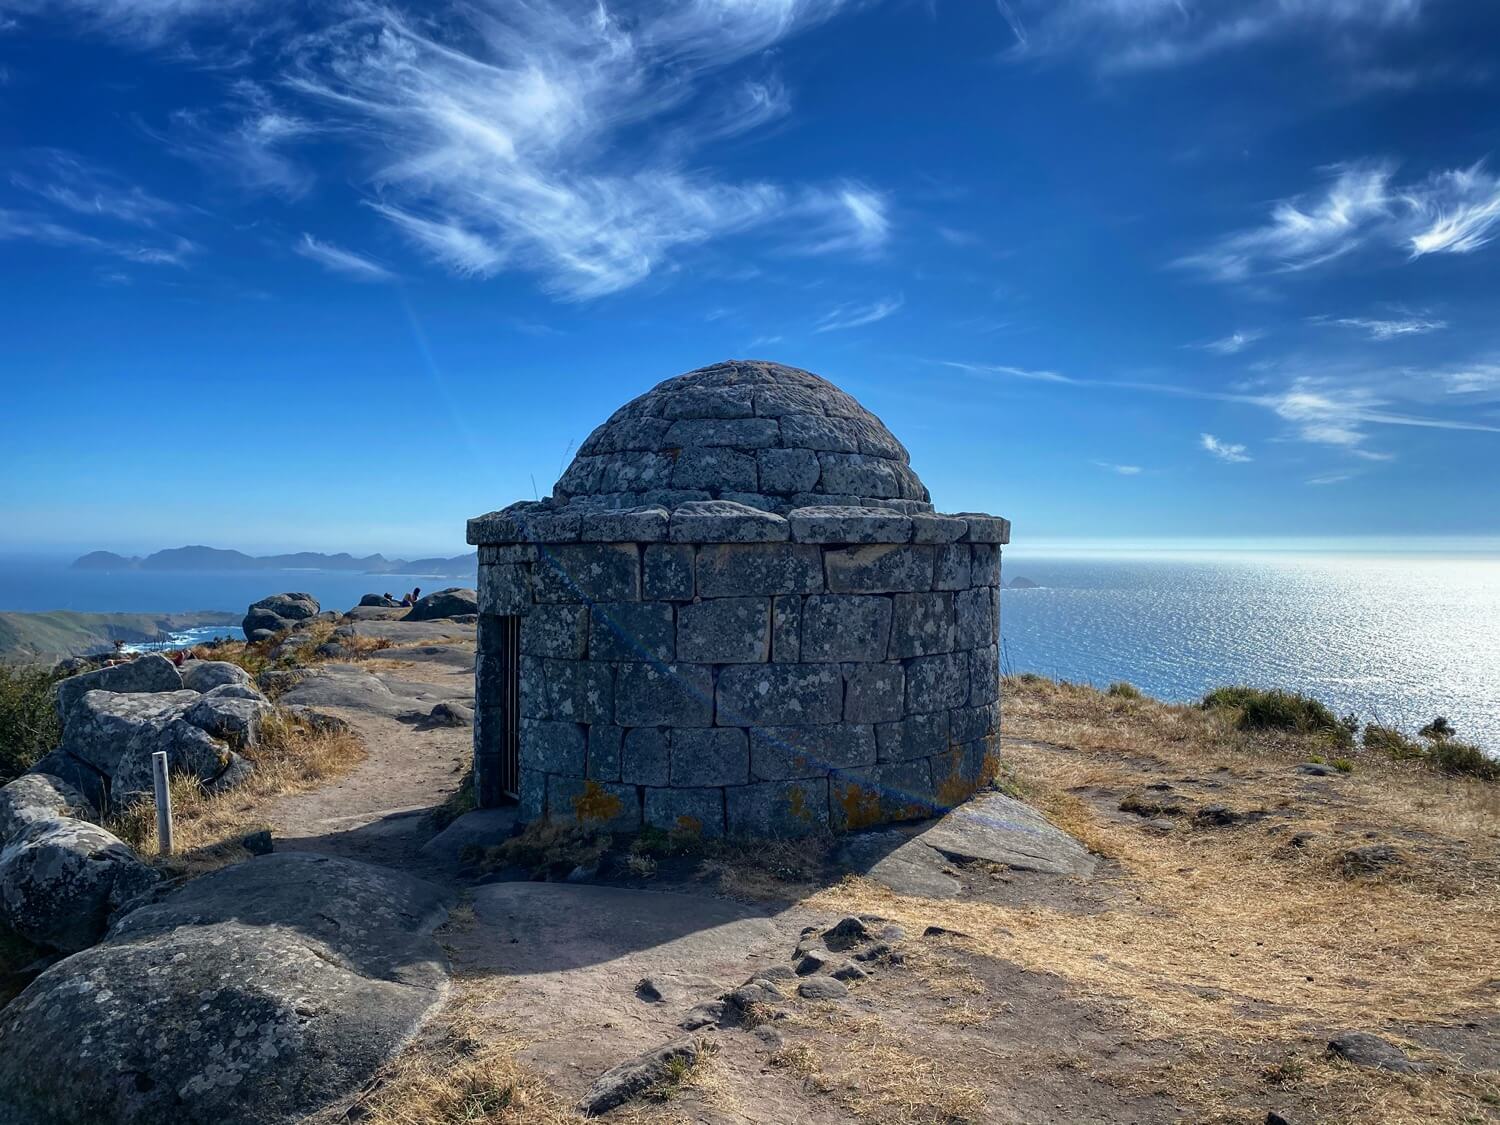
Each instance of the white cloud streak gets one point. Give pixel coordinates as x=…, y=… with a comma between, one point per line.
x=509, y=137
x=1232, y=344
x=1382, y=330
x=339, y=260
x=1137, y=35
x=857, y=316
x=1120, y=470
x=1450, y=212
x=1223, y=450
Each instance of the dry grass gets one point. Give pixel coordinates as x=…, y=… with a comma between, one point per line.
x=255, y=656
x=291, y=755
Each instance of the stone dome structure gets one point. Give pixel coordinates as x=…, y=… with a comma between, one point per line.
x=737, y=613
x=762, y=434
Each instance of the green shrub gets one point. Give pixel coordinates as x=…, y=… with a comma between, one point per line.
x=1260, y=709
x=1462, y=758
x=1389, y=740
x=1122, y=690
x=29, y=726
x=1343, y=765
x=1439, y=728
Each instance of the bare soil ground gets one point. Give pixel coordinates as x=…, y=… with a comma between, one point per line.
x=1197, y=976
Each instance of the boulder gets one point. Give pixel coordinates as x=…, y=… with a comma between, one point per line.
x=235, y=720
x=378, y=600
x=256, y=994
x=152, y=672
x=205, y=675
x=452, y=714
x=271, y=615
x=235, y=691
x=1364, y=1049
x=98, y=728
x=452, y=602
x=82, y=777
x=35, y=797
x=630, y=1079
x=61, y=879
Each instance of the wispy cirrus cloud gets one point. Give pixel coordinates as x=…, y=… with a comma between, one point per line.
x=32, y=227
x=509, y=136
x=857, y=316
x=1137, y=35
x=147, y=21
x=1330, y=478
x=66, y=180
x=1223, y=450
x=1448, y=212
x=250, y=139
x=1232, y=344
x=339, y=260
x=1121, y=470
x=1378, y=329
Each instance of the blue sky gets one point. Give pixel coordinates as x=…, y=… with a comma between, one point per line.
x=1116, y=269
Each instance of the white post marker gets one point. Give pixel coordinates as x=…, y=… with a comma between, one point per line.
x=163, y=802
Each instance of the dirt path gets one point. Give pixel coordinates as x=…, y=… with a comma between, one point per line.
x=378, y=812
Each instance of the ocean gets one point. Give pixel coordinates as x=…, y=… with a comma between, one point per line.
x=1396, y=639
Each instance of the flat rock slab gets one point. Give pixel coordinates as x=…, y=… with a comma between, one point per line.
x=481, y=828
x=992, y=828
x=413, y=632
x=459, y=654
x=356, y=689
x=255, y=994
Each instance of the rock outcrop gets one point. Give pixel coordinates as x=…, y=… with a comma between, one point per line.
x=269, y=989
x=205, y=675
x=61, y=879
x=152, y=672
x=276, y=613
x=36, y=797
x=453, y=602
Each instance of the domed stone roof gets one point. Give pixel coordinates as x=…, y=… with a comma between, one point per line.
x=762, y=434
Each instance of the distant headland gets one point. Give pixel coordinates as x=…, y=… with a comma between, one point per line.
x=199, y=558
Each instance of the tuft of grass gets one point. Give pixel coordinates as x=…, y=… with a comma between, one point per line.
x=1390, y=741
x=1263, y=709
x=1120, y=689
x=460, y=801
x=1462, y=758
x=291, y=755
x=550, y=849
x=29, y=727
x=1439, y=728
x=1343, y=765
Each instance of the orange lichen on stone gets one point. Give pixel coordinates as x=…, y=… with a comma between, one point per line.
x=690, y=825
x=861, y=806
x=596, y=804
x=796, y=805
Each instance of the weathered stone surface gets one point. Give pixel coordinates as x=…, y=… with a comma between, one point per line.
x=1364, y=1049
x=725, y=631
x=254, y=995
x=699, y=812
x=916, y=736
x=937, y=683
x=507, y=554
x=779, y=694
x=923, y=625
x=35, y=797
x=788, y=471
x=505, y=588
x=710, y=402
x=969, y=723
x=986, y=529
x=592, y=572
x=631, y=631
x=815, y=432
x=526, y=522
x=778, y=808
x=103, y=727
x=451, y=714
x=89, y=782
x=977, y=611
x=571, y=690
x=880, y=568
x=839, y=524
x=715, y=467
x=627, y=525
x=605, y=741
x=710, y=756
x=634, y=1077
x=786, y=629
x=676, y=695
x=455, y=601
x=729, y=570
x=723, y=521
x=532, y=794
x=647, y=757
x=273, y=614
x=874, y=693
x=952, y=569
x=884, y=792
x=742, y=433
x=787, y=753
x=556, y=630
x=236, y=721
x=205, y=675
x=669, y=572
x=984, y=569
x=929, y=527
x=984, y=675
x=150, y=673
x=554, y=747
x=822, y=988
x=962, y=770
x=636, y=473
x=839, y=627
x=859, y=475
x=61, y=879
x=596, y=804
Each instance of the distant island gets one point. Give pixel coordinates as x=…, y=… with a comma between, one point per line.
x=1023, y=584
x=50, y=636
x=218, y=559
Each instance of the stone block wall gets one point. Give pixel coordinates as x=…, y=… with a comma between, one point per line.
x=728, y=670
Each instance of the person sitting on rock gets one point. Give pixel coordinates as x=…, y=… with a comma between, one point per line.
x=411, y=598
